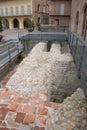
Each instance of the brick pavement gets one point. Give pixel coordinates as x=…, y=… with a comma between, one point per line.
x=18, y=112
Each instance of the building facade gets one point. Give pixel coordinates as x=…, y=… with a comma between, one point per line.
x=53, y=12
x=15, y=13
x=79, y=17
x=59, y=13
x=40, y=11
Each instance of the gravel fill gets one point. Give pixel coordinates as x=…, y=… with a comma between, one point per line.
x=39, y=69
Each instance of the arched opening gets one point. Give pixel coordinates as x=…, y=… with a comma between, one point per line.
x=5, y=24
x=84, y=29
x=77, y=21
x=38, y=8
x=38, y=20
x=15, y=23
x=27, y=23
x=57, y=23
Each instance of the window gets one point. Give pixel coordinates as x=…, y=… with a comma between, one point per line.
x=77, y=21
x=45, y=9
x=28, y=9
x=16, y=8
x=1, y=12
x=6, y=11
x=38, y=20
x=38, y=8
x=62, y=6
x=11, y=10
x=22, y=9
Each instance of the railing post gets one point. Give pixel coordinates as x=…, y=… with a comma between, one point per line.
x=9, y=54
x=68, y=36
x=75, y=49
x=72, y=37
x=81, y=61
x=69, y=39
x=18, y=47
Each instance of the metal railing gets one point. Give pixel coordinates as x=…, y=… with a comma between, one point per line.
x=78, y=49
x=59, y=13
x=8, y=51
x=45, y=36
x=53, y=28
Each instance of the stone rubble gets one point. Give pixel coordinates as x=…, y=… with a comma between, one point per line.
x=40, y=68
x=72, y=113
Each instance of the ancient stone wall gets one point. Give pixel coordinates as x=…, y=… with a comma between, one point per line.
x=71, y=114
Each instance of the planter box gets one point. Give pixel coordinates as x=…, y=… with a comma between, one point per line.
x=30, y=29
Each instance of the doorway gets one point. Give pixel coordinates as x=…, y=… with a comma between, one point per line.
x=57, y=24
x=16, y=23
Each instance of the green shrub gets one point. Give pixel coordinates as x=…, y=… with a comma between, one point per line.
x=29, y=23
x=38, y=26
x=58, y=95
x=1, y=24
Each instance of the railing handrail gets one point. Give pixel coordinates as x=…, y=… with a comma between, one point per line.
x=9, y=52
x=78, y=47
x=59, y=13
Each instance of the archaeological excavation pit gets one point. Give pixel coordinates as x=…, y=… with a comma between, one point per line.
x=43, y=91
x=46, y=65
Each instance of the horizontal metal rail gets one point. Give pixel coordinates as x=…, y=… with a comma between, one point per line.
x=78, y=49
x=8, y=51
x=46, y=36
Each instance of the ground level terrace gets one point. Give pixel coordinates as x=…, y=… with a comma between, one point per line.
x=15, y=22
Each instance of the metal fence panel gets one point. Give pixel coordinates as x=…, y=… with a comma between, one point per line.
x=78, y=49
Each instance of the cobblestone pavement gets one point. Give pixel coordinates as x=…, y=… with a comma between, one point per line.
x=18, y=112
x=13, y=33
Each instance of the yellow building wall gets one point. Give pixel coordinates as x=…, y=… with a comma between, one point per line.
x=20, y=17
x=13, y=3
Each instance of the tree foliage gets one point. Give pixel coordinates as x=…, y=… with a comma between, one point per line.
x=28, y=23
x=1, y=24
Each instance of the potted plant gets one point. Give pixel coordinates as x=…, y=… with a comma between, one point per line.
x=38, y=26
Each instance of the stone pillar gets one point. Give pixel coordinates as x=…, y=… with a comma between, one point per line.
x=10, y=24
x=21, y=24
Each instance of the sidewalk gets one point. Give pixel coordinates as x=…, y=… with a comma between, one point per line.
x=13, y=33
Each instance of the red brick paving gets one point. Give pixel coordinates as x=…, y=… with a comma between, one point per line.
x=20, y=117
x=13, y=106
x=3, y=112
x=43, y=111
x=17, y=110
x=26, y=109
x=4, y=129
x=38, y=128
x=29, y=119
